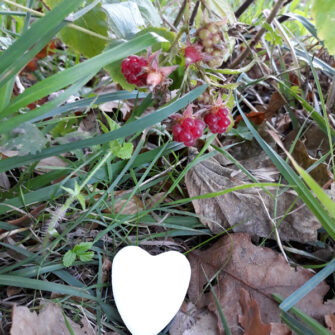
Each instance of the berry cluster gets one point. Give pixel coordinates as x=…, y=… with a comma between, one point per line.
x=218, y=120
x=211, y=38
x=188, y=130
x=133, y=68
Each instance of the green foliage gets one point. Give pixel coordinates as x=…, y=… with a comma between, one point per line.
x=324, y=15
x=88, y=45
x=81, y=251
x=26, y=139
x=119, y=148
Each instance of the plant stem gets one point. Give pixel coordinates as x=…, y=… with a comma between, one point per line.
x=243, y=8
x=258, y=36
x=180, y=14
x=70, y=25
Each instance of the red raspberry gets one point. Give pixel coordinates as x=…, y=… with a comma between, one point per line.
x=133, y=69
x=188, y=130
x=218, y=120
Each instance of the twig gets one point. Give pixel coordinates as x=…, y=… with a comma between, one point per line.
x=258, y=36
x=194, y=13
x=243, y=8
x=180, y=14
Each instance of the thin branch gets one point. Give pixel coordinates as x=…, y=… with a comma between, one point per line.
x=180, y=14
x=243, y=8
x=194, y=13
x=258, y=36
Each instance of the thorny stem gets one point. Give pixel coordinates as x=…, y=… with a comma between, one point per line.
x=70, y=25
x=258, y=36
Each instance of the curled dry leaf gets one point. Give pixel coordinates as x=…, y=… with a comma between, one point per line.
x=49, y=321
x=247, y=210
x=320, y=173
x=260, y=271
x=251, y=319
x=330, y=322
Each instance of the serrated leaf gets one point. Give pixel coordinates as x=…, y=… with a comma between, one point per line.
x=82, y=247
x=149, y=12
x=324, y=15
x=87, y=256
x=124, y=18
x=95, y=20
x=69, y=258
x=26, y=139
x=125, y=151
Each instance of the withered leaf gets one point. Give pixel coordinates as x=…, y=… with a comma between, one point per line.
x=252, y=322
x=320, y=173
x=261, y=271
x=249, y=210
x=330, y=322
x=50, y=321
x=251, y=318
x=192, y=321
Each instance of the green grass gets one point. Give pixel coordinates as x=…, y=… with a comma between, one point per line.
x=81, y=197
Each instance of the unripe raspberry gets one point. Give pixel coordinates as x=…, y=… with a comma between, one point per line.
x=193, y=54
x=204, y=34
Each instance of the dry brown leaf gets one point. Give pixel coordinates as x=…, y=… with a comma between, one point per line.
x=246, y=210
x=251, y=319
x=50, y=321
x=192, y=321
x=53, y=161
x=13, y=290
x=260, y=271
x=320, y=173
x=26, y=220
x=4, y=181
x=106, y=267
x=330, y=322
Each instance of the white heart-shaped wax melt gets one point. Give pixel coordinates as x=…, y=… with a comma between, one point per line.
x=149, y=290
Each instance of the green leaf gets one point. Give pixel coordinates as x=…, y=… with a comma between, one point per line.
x=81, y=200
x=95, y=20
x=125, y=151
x=29, y=139
x=82, y=247
x=124, y=18
x=324, y=14
x=69, y=258
x=168, y=35
x=87, y=256
x=149, y=12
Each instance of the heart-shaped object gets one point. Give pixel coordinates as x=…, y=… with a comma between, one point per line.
x=149, y=290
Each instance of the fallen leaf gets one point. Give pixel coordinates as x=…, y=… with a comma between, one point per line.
x=44, y=164
x=265, y=112
x=320, y=173
x=251, y=319
x=192, y=321
x=132, y=207
x=246, y=210
x=13, y=290
x=49, y=321
x=27, y=219
x=261, y=271
x=330, y=322
x=4, y=181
